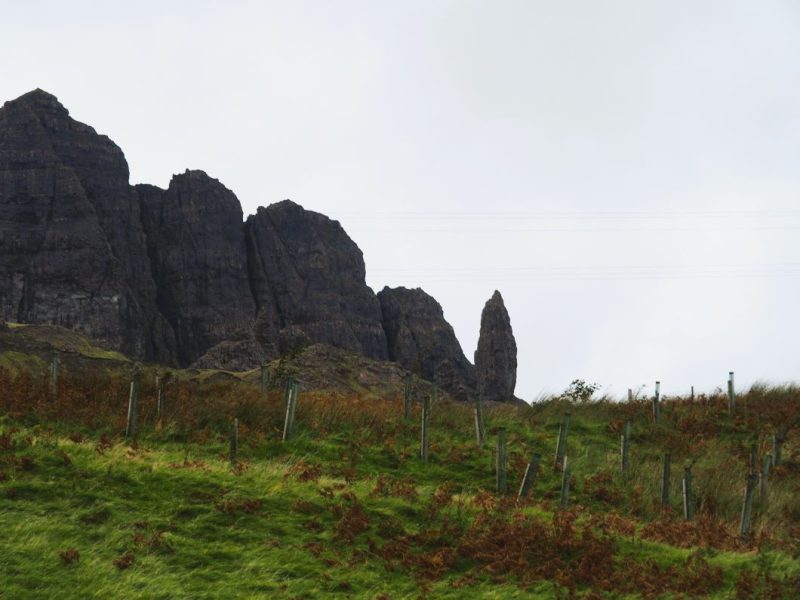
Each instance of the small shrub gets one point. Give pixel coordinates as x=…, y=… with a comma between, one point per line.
x=69, y=556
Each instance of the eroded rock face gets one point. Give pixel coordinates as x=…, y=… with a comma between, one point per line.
x=308, y=280
x=196, y=244
x=72, y=249
x=175, y=276
x=422, y=341
x=496, y=356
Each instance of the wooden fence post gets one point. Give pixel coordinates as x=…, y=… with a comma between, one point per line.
x=630, y=395
x=657, y=403
x=292, y=390
x=625, y=449
x=501, y=462
x=763, y=496
x=234, y=441
x=747, y=507
x=55, y=363
x=295, y=395
x=407, y=397
x=161, y=381
x=731, y=394
x=666, y=474
x=529, y=477
x=691, y=395
x=264, y=379
x=565, y=485
x=688, y=500
x=480, y=425
x=133, y=400
x=423, y=442
x=561, y=444
x=777, y=446
x=753, y=458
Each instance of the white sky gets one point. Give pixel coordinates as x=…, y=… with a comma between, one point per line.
x=625, y=173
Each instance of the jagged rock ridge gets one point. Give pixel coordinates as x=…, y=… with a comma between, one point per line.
x=422, y=341
x=72, y=248
x=308, y=281
x=195, y=241
x=176, y=276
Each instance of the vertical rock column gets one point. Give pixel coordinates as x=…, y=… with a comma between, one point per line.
x=496, y=356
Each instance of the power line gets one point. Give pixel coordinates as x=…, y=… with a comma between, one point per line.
x=486, y=230
x=586, y=273
x=577, y=221
x=637, y=215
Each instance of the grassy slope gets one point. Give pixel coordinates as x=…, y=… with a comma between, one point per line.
x=198, y=529
x=310, y=518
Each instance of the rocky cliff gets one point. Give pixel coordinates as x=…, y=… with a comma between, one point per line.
x=496, y=356
x=177, y=276
x=72, y=248
x=422, y=341
x=195, y=241
x=308, y=280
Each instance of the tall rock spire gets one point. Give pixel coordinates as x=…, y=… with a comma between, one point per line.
x=496, y=356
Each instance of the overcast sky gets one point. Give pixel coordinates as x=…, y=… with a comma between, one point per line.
x=627, y=174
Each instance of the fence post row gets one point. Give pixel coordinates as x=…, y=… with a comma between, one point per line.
x=423, y=442
x=161, y=381
x=234, y=441
x=561, y=445
x=529, y=477
x=777, y=446
x=264, y=379
x=688, y=506
x=480, y=425
x=665, y=479
x=625, y=450
x=565, y=485
x=54, y=367
x=292, y=390
x=747, y=507
x=753, y=458
x=657, y=403
x=763, y=495
x=407, y=398
x=501, y=461
x=133, y=400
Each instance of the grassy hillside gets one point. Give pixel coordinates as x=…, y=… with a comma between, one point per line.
x=346, y=507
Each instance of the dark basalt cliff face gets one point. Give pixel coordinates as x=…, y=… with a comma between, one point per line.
x=72, y=248
x=196, y=245
x=176, y=276
x=308, y=280
x=496, y=356
x=423, y=342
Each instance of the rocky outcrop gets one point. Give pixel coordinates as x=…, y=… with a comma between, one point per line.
x=422, y=341
x=196, y=245
x=72, y=249
x=176, y=276
x=308, y=280
x=241, y=353
x=496, y=356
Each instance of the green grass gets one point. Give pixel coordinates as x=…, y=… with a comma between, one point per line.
x=196, y=528
x=69, y=341
x=16, y=362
